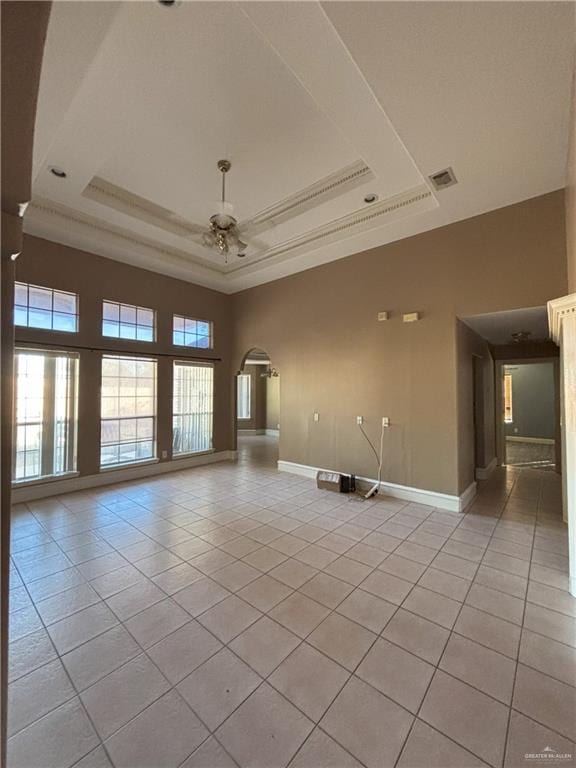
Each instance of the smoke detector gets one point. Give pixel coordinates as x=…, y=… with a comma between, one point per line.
x=442, y=179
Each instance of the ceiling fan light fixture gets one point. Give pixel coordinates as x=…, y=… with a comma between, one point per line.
x=223, y=233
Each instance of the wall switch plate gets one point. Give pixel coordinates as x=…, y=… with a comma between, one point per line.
x=385, y=421
x=316, y=416
x=411, y=317
x=359, y=419
x=382, y=316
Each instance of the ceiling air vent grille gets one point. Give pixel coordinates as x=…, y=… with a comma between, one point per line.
x=443, y=179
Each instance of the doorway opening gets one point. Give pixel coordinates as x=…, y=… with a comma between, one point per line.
x=529, y=414
x=258, y=408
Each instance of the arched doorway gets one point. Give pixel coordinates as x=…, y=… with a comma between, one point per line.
x=257, y=415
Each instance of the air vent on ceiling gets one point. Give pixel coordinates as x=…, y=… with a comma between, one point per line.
x=443, y=179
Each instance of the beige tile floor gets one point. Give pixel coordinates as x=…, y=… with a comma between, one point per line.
x=235, y=616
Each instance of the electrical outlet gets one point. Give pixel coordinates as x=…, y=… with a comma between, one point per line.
x=164, y=454
x=382, y=316
x=385, y=421
x=316, y=416
x=359, y=419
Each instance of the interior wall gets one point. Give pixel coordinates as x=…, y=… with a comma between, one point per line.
x=257, y=418
x=476, y=419
x=320, y=328
x=571, y=191
x=96, y=278
x=533, y=401
x=24, y=27
x=273, y=403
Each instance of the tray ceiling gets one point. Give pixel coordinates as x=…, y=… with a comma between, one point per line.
x=316, y=105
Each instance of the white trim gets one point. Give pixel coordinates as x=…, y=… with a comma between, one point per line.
x=483, y=473
x=558, y=309
x=251, y=431
x=537, y=440
x=273, y=432
x=408, y=493
x=122, y=474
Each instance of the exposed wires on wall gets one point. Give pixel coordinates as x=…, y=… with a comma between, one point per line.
x=379, y=458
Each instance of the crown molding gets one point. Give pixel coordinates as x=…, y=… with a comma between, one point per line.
x=378, y=214
x=558, y=311
x=119, y=199
x=46, y=210
x=320, y=192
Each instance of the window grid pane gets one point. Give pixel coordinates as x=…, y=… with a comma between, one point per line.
x=193, y=408
x=244, y=383
x=125, y=321
x=45, y=308
x=188, y=332
x=128, y=410
x=45, y=414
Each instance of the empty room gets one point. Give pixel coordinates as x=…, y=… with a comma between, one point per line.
x=288, y=384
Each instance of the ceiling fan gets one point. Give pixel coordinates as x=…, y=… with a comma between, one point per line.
x=223, y=234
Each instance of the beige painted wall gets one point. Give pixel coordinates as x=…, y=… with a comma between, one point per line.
x=95, y=278
x=273, y=402
x=476, y=436
x=320, y=328
x=571, y=195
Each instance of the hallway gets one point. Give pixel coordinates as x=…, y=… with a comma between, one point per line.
x=231, y=615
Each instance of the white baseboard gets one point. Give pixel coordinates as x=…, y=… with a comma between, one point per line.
x=483, y=473
x=112, y=476
x=273, y=432
x=536, y=440
x=251, y=431
x=405, y=492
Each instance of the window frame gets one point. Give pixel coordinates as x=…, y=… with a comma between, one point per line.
x=508, y=398
x=192, y=364
x=209, y=323
x=249, y=396
x=53, y=291
x=49, y=433
x=135, y=325
x=105, y=467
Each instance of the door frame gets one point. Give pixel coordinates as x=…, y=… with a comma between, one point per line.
x=499, y=392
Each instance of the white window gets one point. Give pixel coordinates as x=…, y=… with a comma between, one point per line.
x=124, y=321
x=508, y=412
x=187, y=332
x=38, y=307
x=244, y=383
x=128, y=410
x=192, y=407
x=46, y=394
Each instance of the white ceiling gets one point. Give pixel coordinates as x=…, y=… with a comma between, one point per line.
x=316, y=105
x=498, y=327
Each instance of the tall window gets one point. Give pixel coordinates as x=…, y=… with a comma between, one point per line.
x=38, y=307
x=128, y=410
x=508, y=414
x=244, y=382
x=192, y=407
x=124, y=321
x=46, y=390
x=188, y=332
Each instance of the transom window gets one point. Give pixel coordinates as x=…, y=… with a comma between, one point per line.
x=46, y=395
x=46, y=308
x=188, y=332
x=244, y=383
x=125, y=321
x=193, y=407
x=128, y=410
